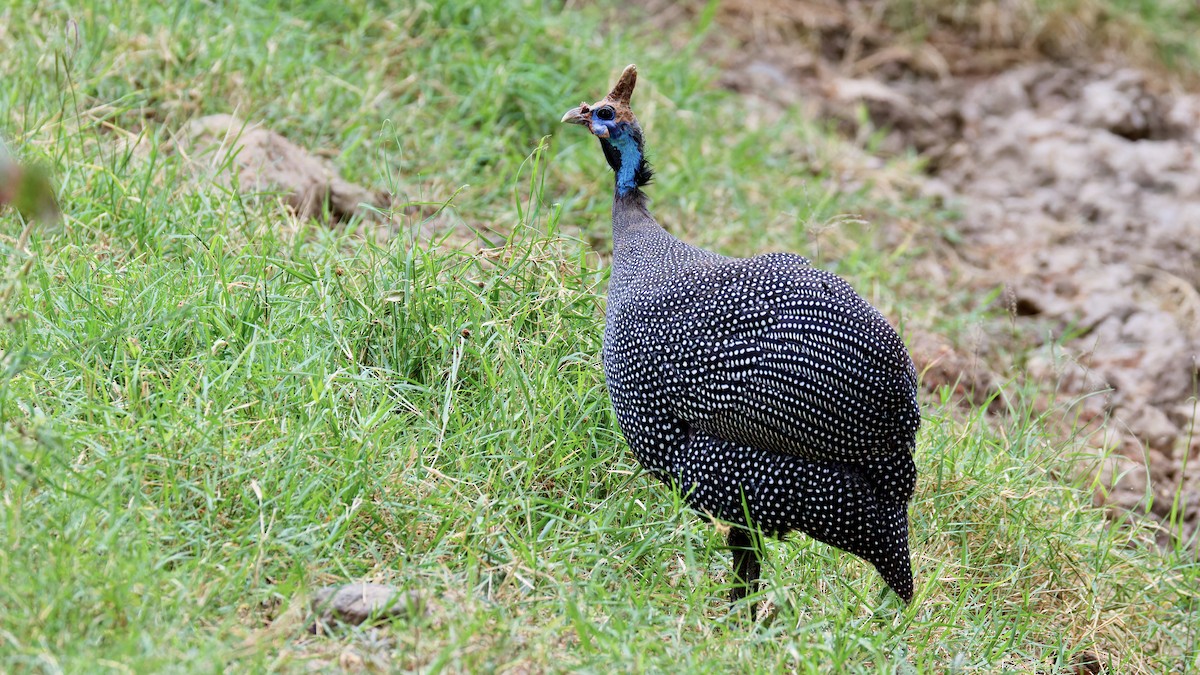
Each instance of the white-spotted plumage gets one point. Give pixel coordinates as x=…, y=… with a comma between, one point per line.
x=765, y=390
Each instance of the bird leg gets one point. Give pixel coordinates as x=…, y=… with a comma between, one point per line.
x=747, y=563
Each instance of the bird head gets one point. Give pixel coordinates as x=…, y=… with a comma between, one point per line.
x=611, y=116
x=611, y=120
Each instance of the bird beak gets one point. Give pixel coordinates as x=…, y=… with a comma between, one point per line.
x=576, y=116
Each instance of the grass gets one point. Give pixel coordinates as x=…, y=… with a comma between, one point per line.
x=209, y=409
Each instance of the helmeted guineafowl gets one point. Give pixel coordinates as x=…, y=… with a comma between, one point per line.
x=768, y=392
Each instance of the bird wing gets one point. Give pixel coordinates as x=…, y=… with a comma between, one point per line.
x=775, y=354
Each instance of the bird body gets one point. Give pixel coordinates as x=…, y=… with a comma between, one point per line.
x=765, y=390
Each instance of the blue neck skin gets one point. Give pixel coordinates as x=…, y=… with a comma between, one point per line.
x=631, y=158
x=628, y=151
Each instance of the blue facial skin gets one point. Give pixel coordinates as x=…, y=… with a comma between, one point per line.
x=631, y=154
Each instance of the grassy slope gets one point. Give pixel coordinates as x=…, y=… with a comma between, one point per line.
x=208, y=409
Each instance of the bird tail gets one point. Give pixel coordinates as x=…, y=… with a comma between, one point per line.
x=892, y=561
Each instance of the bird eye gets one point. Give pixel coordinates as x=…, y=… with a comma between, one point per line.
x=606, y=113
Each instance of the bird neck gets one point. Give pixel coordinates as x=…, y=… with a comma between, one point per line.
x=631, y=216
x=639, y=243
x=625, y=156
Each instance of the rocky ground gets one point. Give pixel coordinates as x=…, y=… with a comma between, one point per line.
x=1077, y=180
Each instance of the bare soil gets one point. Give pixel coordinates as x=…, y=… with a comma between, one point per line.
x=258, y=160
x=1077, y=176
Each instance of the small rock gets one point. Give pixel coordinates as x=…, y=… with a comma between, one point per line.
x=362, y=602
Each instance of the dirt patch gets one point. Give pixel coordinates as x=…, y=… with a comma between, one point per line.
x=258, y=160
x=1080, y=192
x=942, y=364
x=1079, y=188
